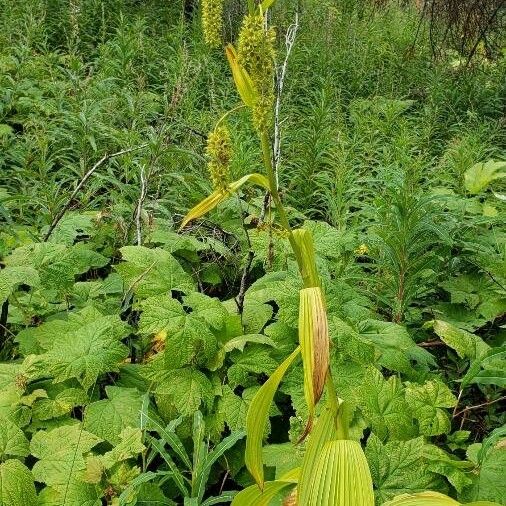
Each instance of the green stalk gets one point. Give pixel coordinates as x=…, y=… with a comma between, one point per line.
x=283, y=218
x=266, y=152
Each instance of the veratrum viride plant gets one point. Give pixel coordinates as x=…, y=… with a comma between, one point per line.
x=334, y=471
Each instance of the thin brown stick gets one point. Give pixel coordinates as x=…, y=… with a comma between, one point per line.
x=431, y=344
x=477, y=406
x=81, y=183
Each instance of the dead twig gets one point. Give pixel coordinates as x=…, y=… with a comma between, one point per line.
x=140, y=203
x=477, y=406
x=81, y=183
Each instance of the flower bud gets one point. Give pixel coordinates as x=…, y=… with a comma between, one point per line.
x=212, y=21
x=256, y=55
x=219, y=152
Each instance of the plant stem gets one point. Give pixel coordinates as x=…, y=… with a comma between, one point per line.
x=283, y=218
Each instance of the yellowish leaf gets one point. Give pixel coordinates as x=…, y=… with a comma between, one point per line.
x=314, y=344
x=243, y=81
x=305, y=246
x=325, y=430
x=218, y=196
x=256, y=419
x=253, y=496
x=341, y=476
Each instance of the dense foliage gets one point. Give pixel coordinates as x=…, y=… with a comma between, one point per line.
x=130, y=350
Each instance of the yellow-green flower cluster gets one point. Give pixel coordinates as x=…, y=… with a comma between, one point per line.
x=219, y=153
x=256, y=54
x=212, y=21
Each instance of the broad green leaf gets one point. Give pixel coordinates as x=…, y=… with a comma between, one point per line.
x=384, y=405
x=281, y=287
x=71, y=226
x=73, y=493
x=8, y=373
x=466, y=345
x=189, y=340
x=488, y=369
x=206, y=308
x=239, y=342
x=11, y=277
x=254, y=359
x=89, y=351
x=37, y=340
x=349, y=342
x=16, y=485
x=13, y=442
x=427, y=402
x=187, y=389
x=257, y=418
x=107, y=418
x=147, y=272
x=395, y=348
x=480, y=175
x=218, y=196
x=457, y=472
x=60, y=404
x=130, y=446
x=283, y=457
x=60, y=453
x=234, y=409
x=488, y=483
x=398, y=467
x=341, y=476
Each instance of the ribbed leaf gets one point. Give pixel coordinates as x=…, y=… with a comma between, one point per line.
x=325, y=430
x=256, y=419
x=253, y=496
x=305, y=243
x=243, y=81
x=218, y=196
x=314, y=344
x=341, y=476
x=422, y=499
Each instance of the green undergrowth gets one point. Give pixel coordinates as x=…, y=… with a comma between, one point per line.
x=129, y=351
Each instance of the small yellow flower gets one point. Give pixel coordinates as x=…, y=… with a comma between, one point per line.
x=212, y=21
x=362, y=250
x=219, y=153
x=256, y=54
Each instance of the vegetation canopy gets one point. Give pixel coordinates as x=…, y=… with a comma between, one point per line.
x=252, y=253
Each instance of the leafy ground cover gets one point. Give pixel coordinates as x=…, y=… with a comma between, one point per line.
x=131, y=350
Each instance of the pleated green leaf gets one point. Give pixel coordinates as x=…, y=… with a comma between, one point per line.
x=256, y=419
x=430, y=498
x=341, y=476
x=325, y=430
x=314, y=345
x=253, y=496
x=218, y=196
x=305, y=244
